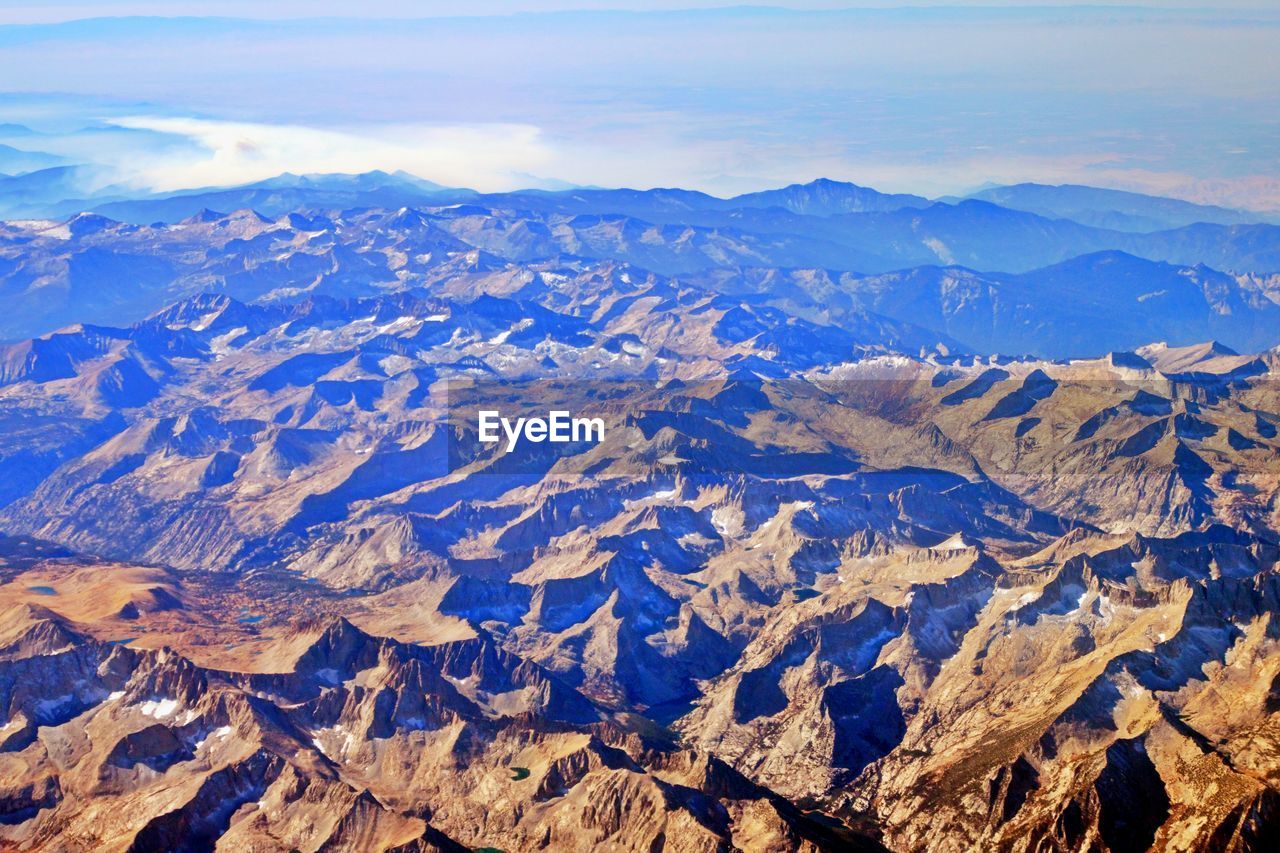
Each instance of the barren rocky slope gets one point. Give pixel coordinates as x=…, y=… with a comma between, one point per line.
x=833, y=578
x=347, y=742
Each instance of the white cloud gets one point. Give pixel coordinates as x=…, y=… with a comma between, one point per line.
x=499, y=157
x=486, y=157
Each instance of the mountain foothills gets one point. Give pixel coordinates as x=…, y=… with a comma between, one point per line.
x=914, y=526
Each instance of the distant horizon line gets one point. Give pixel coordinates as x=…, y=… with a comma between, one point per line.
x=945, y=198
x=121, y=191
x=407, y=175
x=111, y=195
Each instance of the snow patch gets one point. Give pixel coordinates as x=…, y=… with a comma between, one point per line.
x=217, y=734
x=397, y=325
x=159, y=708
x=221, y=345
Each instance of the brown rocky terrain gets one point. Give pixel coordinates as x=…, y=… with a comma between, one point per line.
x=342, y=741
x=832, y=579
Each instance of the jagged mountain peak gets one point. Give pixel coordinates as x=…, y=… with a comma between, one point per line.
x=826, y=197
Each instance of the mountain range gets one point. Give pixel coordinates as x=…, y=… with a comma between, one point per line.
x=968, y=552
x=1113, y=209
x=93, y=269
x=869, y=231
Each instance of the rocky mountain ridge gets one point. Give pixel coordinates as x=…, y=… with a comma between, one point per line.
x=838, y=575
x=94, y=270
x=148, y=751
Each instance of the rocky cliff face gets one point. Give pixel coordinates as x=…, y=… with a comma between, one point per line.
x=1074, y=698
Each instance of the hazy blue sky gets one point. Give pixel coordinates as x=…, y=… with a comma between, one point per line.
x=1166, y=98
x=61, y=10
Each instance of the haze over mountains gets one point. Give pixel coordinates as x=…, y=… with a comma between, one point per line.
x=915, y=525
x=1056, y=92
